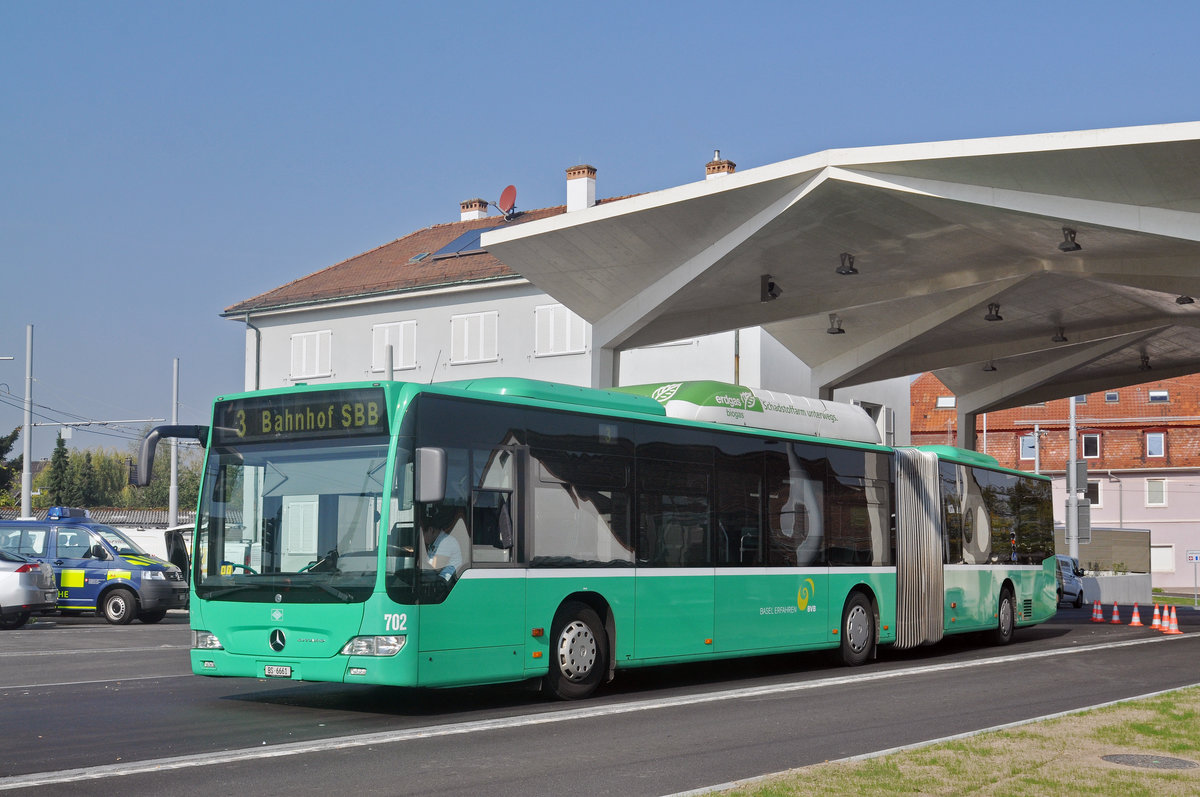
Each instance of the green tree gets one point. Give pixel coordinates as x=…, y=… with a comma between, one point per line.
x=85, y=481
x=58, y=476
x=9, y=468
x=157, y=494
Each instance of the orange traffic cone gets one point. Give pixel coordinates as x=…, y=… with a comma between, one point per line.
x=1137, y=620
x=1116, y=618
x=1174, y=629
x=1097, y=613
x=1156, y=623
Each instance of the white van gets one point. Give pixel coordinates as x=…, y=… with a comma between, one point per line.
x=173, y=545
x=1070, y=581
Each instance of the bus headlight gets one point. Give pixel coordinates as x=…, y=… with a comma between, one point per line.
x=206, y=640
x=374, y=646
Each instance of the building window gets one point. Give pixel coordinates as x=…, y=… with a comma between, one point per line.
x=312, y=354
x=1028, y=446
x=1162, y=558
x=402, y=337
x=1081, y=399
x=1091, y=446
x=1156, y=492
x=1155, y=445
x=1093, y=493
x=474, y=338
x=1158, y=397
x=557, y=331
x=1111, y=398
x=945, y=402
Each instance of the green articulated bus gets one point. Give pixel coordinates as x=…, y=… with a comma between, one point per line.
x=494, y=530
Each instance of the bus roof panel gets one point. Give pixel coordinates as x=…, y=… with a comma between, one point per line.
x=721, y=402
x=560, y=394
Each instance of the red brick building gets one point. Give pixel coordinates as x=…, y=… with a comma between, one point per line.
x=1141, y=445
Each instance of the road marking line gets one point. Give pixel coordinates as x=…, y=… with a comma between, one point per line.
x=90, y=651
x=97, y=681
x=159, y=765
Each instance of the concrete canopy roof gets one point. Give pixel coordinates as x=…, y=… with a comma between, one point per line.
x=938, y=231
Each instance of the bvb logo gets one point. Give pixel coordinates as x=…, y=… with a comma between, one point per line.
x=805, y=594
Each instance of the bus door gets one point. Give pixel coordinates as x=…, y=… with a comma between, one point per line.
x=471, y=624
x=674, y=583
x=81, y=575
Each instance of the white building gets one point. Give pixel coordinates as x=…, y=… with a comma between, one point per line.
x=450, y=310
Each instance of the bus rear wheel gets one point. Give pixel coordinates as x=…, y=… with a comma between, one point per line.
x=579, y=652
x=1002, y=634
x=858, y=630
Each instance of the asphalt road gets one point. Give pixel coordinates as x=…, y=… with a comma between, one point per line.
x=88, y=708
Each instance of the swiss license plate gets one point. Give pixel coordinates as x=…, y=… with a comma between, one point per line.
x=277, y=671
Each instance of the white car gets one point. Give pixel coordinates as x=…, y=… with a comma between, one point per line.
x=26, y=587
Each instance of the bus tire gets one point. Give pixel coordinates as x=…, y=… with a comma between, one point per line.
x=858, y=630
x=578, y=652
x=119, y=606
x=1002, y=634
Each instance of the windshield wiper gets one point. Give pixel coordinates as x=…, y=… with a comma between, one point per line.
x=335, y=592
x=228, y=591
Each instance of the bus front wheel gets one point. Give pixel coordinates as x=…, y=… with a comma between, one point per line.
x=858, y=630
x=579, y=652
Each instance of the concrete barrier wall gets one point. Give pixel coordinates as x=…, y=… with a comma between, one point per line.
x=1125, y=590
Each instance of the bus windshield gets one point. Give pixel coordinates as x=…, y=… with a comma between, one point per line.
x=294, y=518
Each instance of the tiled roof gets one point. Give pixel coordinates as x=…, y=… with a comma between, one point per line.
x=140, y=518
x=388, y=268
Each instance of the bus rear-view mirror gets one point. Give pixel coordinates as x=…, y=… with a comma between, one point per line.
x=430, y=475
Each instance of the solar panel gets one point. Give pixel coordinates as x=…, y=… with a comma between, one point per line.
x=464, y=244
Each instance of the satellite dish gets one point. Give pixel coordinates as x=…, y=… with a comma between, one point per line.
x=508, y=200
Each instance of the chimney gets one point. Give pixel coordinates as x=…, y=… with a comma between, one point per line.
x=473, y=209
x=717, y=167
x=581, y=187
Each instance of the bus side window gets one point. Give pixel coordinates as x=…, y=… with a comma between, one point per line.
x=739, y=511
x=491, y=526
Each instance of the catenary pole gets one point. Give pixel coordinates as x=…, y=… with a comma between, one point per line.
x=173, y=495
x=1072, y=490
x=27, y=447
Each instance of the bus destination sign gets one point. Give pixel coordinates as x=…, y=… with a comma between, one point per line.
x=333, y=413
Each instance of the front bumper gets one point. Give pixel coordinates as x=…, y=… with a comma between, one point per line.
x=163, y=595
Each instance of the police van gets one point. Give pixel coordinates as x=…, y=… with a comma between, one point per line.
x=98, y=568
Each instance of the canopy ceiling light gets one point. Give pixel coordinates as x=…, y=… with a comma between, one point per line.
x=835, y=325
x=1185, y=299
x=847, y=266
x=1145, y=366
x=1060, y=337
x=1068, y=244
x=769, y=290
x=990, y=366
x=993, y=313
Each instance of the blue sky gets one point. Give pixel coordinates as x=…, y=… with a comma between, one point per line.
x=162, y=161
